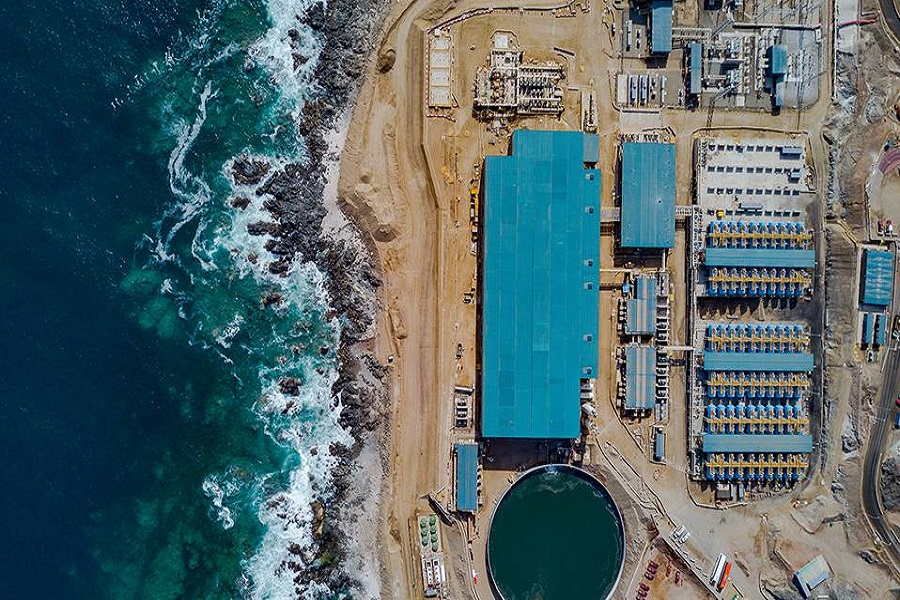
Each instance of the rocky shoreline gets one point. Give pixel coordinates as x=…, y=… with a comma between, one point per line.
x=293, y=197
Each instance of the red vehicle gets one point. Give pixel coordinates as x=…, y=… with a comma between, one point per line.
x=725, y=575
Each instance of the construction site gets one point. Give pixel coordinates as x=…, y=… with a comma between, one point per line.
x=631, y=239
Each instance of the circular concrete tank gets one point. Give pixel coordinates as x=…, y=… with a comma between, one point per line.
x=555, y=534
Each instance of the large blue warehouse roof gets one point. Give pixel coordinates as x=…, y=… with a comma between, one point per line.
x=648, y=195
x=758, y=361
x=540, y=286
x=640, y=377
x=879, y=277
x=661, y=26
x=780, y=258
x=718, y=443
x=466, y=477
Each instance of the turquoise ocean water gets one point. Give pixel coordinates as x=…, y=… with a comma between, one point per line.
x=147, y=451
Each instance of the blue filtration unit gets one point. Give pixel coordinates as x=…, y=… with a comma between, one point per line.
x=757, y=282
x=767, y=235
x=756, y=376
x=754, y=338
x=758, y=258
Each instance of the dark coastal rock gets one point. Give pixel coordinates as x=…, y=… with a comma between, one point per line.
x=314, y=17
x=318, y=523
x=289, y=386
x=248, y=171
x=299, y=60
x=272, y=298
x=292, y=196
x=263, y=228
x=311, y=117
x=279, y=267
x=240, y=202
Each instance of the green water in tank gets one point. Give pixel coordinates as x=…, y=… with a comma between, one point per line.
x=556, y=535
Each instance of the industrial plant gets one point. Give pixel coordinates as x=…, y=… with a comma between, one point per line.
x=636, y=237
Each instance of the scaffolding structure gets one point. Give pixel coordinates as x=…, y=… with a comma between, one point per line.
x=509, y=86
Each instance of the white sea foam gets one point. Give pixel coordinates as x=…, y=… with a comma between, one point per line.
x=227, y=334
x=192, y=192
x=275, y=53
x=248, y=251
x=307, y=424
x=216, y=496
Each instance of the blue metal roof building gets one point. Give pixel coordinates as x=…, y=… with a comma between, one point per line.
x=661, y=26
x=777, y=56
x=640, y=318
x=659, y=446
x=540, y=286
x=868, y=328
x=878, y=279
x=797, y=362
x=640, y=377
x=725, y=443
x=880, y=330
x=466, y=477
x=780, y=258
x=775, y=72
x=648, y=195
x=695, y=82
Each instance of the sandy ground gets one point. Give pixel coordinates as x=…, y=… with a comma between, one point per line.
x=404, y=178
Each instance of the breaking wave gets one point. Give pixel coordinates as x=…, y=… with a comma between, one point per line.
x=204, y=275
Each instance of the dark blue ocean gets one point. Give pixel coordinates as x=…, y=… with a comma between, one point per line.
x=142, y=431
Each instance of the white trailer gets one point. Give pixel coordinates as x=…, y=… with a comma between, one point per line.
x=717, y=570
